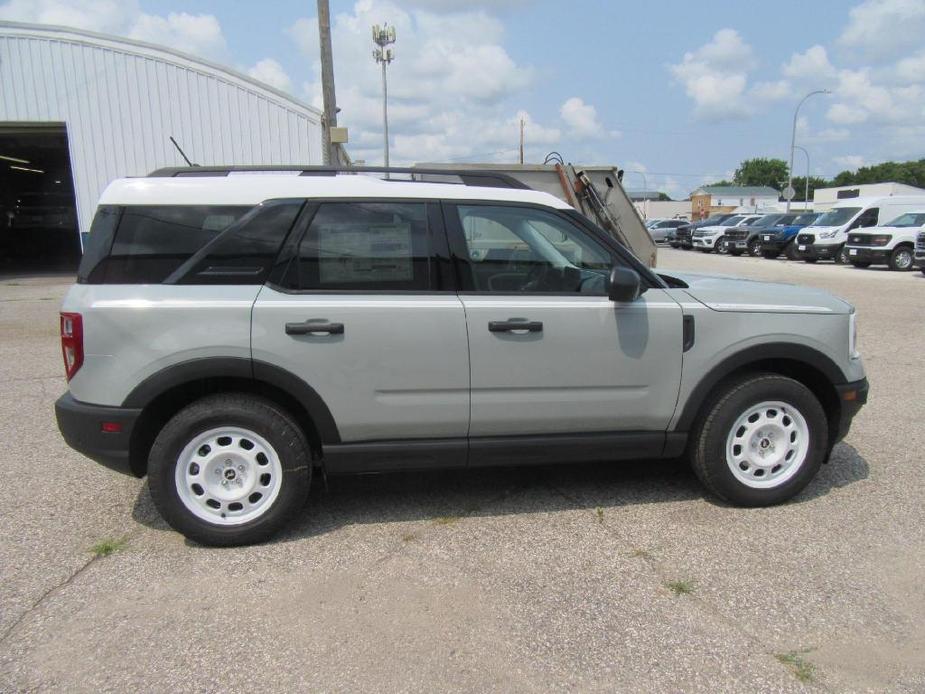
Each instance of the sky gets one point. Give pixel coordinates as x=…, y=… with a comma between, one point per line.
x=676, y=93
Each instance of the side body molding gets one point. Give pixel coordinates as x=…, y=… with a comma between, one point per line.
x=231, y=367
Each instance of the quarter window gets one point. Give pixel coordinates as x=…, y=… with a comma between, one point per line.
x=518, y=249
x=374, y=246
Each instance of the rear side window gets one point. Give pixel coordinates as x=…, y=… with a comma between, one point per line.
x=187, y=244
x=372, y=246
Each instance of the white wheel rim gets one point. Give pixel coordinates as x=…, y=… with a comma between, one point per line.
x=767, y=445
x=228, y=476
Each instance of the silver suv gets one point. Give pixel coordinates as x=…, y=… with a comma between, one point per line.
x=230, y=334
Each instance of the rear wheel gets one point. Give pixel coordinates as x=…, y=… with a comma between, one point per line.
x=760, y=440
x=902, y=259
x=754, y=247
x=229, y=469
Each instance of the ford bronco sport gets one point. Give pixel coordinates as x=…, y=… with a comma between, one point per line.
x=230, y=334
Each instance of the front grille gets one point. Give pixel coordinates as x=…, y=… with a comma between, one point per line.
x=806, y=238
x=920, y=241
x=860, y=240
x=736, y=234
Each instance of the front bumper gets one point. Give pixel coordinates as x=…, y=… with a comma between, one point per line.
x=772, y=242
x=81, y=425
x=852, y=397
x=705, y=242
x=868, y=255
x=815, y=251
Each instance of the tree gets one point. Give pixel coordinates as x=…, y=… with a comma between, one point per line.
x=799, y=184
x=761, y=172
x=909, y=172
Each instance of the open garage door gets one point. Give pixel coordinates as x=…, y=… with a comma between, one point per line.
x=38, y=216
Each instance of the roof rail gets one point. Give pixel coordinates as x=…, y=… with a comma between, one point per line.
x=468, y=177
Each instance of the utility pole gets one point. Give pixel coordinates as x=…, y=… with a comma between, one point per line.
x=382, y=37
x=806, y=187
x=521, y=140
x=331, y=156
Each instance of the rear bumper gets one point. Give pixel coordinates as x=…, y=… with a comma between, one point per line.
x=852, y=396
x=868, y=255
x=81, y=425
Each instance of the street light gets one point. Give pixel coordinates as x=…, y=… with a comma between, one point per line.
x=382, y=37
x=806, y=188
x=793, y=138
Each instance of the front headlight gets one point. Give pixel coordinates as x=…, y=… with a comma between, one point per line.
x=881, y=240
x=853, y=336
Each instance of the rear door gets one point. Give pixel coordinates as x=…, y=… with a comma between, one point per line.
x=549, y=352
x=357, y=313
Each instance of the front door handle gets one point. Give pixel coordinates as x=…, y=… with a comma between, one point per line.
x=507, y=326
x=312, y=327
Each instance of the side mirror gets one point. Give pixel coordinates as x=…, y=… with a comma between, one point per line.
x=624, y=284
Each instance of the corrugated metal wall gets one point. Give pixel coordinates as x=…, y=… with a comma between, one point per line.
x=121, y=100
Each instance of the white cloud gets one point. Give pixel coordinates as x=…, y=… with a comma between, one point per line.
x=812, y=65
x=200, y=34
x=882, y=29
x=715, y=76
x=911, y=69
x=850, y=161
x=772, y=91
x=453, y=87
x=581, y=118
x=272, y=73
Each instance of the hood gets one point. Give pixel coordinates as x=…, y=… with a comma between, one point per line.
x=711, y=229
x=740, y=295
x=887, y=230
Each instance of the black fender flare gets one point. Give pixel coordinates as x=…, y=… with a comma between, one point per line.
x=237, y=367
x=801, y=354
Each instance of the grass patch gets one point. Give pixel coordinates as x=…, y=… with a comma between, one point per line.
x=600, y=515
x=801, y=668
x=445, y=520
x=106, y=547
x=682, y=587
x=640, y=553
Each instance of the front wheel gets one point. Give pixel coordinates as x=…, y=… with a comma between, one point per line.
x=229, y=469
x=841, y=256
x=754, y=248
x=861, y=263
x=760, y=440
x=769, y=255
x=902, y=259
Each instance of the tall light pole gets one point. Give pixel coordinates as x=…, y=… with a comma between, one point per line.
x=793, y=137
x=382, y=37
x=806, y=188
x=327, y=82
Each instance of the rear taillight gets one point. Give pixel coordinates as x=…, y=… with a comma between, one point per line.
x=72, y=342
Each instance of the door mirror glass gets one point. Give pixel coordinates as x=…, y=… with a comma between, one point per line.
x=624, y=284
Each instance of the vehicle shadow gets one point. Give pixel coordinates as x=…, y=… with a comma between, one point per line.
x=444, y=495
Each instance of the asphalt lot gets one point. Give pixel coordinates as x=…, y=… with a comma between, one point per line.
x=513, y=579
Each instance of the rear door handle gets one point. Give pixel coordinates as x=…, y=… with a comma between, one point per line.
x=507, y=326
x=312, y=327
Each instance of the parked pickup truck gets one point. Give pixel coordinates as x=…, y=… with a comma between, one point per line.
x=748, y=238
x=775, y=241
x=920, y=251
x=892, y=244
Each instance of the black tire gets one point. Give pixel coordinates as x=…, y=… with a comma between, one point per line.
x=902, y=259
x=861, y=263
x=791, y=252
x=720, y=413
x=769, y=255
x=735, y=253
x=252, y=412
x=754, y=247
x=841, y=256
x=810, y=260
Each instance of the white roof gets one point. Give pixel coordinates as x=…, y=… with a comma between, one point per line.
x=251, y=189
x=881, y=200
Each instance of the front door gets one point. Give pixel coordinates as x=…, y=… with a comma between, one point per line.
x=549, y=352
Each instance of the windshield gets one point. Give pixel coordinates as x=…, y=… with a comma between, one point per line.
x=837, y=216
x=732, y=221
x=806, y=219
x=910, y=219
x=768, y=220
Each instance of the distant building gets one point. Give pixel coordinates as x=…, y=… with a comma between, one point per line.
x=824, y=198
x=710, y=200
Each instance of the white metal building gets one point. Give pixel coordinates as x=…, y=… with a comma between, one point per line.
x=78, y=109
x=824, y=198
